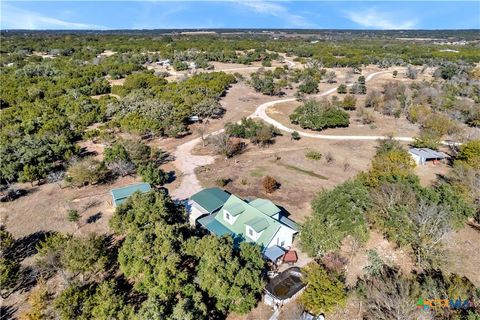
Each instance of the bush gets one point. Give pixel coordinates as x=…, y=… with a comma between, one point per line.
x=349, y=102
x=319, y=115
x=295, y=135
x=270, y=184
x=222, y=182
x=87, y=171
x=342, y=89
x=313, y=155
x=73, y=215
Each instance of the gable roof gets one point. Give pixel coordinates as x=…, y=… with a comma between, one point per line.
x=210, y=199
x=427, y=153
x=266, y=206
x=253, y=217
x=234, y=209
x=121, y=194
x=258, y=224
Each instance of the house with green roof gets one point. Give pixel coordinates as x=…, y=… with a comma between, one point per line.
x=258, y=221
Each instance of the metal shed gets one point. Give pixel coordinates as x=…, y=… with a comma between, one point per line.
x=422, y=155
x=121, y=194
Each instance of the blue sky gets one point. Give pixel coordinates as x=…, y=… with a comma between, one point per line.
x=240, y=14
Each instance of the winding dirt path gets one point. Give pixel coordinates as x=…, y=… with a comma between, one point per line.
x=186, y=162
x=262, y=114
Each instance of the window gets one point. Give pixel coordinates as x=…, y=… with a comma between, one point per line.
x=227, y=216
x=250, y=232
x=282, y=243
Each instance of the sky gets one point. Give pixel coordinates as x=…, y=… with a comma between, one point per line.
x=239, y=14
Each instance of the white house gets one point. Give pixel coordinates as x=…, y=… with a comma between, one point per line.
x=422, y=155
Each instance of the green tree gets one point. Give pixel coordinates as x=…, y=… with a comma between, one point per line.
x=341, y=211
x=323, y=293
x=232, y=278
x=87, y=171
x=152, y=174
x=114, y=153
x=361, y=87
x=469, y=153
x=319, y=115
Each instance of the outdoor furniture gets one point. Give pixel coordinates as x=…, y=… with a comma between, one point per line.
x=290, y=257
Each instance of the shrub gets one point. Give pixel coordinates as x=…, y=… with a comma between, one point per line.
x=342, y=89
x=295, y=135
x=349, y=102
x=73, y=215
x=313, y=155
x=329, y=158
x=222, y=182
x=270, y=184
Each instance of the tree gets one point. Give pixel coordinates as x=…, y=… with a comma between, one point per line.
x=225, y=145
x=270, y=184
x=389, y=296
x=319, y=115
x=361, y=87
x=342, y=89
x=391, y=163
x=469, y=153
x=341, y=211
x=309, y=86
x=9, y=267
x=87, y=171
x=233, y=278
x=323, y=292
x=152, y=174
x=85, y=256
x=395, y=73
x=375, y=263
x=330, y=77
x=116, y=152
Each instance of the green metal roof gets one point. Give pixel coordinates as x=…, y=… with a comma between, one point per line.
x=234, y=209
x=210, y=199
x=266, y=206
x=270, y=226
x=258, y=224
x=121, y=194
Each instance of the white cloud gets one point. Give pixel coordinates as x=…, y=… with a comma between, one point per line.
x=279, y=11
x=16, y=18
x=372, y=18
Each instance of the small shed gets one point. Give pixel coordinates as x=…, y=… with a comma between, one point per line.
x=422, y=155
x=121, y=194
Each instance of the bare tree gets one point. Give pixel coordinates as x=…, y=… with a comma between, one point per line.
x=330, y=77
x=225, y=145
x=122, y=167
x=432, y=223
x=389, y=296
